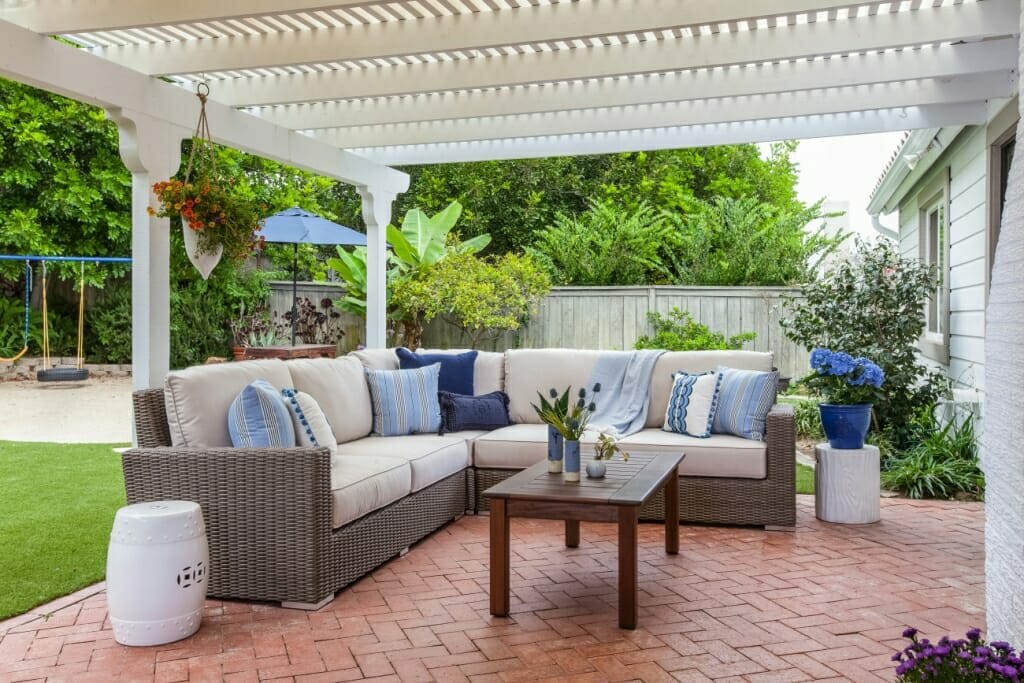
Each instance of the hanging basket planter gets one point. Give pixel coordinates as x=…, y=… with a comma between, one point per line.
x=215, y=221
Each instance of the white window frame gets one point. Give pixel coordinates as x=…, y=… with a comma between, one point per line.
x=933, y=242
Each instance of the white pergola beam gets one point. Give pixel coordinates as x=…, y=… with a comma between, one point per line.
x=801, y=127
x=458, y=32
x=87, y=16
x=937, y=61
x=46, y=63
x=967, y=22
x=688, y=113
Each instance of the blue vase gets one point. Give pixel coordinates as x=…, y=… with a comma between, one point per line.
x=555, y=442
x=845, y=426
x=572, y=461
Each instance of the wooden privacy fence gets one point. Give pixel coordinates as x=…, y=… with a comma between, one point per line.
x=610, y=318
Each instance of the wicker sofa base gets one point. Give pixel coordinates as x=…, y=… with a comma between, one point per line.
x=702, y=500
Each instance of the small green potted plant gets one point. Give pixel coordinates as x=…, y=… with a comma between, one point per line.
x=605, y=448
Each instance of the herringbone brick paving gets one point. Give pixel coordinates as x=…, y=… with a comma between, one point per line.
x=827, y=602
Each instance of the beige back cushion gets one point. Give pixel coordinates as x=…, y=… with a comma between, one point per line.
x=696, y=362
x=197, y=398
x=339, y=386
x=488, y=371
x=377, y=359
x=528, y=371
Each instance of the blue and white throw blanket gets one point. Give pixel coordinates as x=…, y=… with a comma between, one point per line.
x=625, y=378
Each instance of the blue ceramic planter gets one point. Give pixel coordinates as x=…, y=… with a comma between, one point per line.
x=845, y=426
x=572, y=461
x=555, y=442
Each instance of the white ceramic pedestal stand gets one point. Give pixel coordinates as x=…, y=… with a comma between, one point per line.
x=157, y=569
x=847, y=488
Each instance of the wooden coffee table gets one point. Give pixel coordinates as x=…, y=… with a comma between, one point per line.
x=617, y=497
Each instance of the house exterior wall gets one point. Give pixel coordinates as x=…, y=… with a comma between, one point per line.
x=965, y=162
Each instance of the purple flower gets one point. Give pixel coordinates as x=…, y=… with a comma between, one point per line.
x=909, y=632
x=1000, y=645
x=982, y=651
x=974, y=634
x=897, y=656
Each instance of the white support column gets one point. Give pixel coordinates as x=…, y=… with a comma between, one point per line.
x=151, y=150
x=376, y=214
x=1002, y=439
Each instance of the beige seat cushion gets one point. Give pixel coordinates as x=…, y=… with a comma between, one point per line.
x=431, y=457
x=197, y=398
x=720, y=455
x=516, y=447
x=361, y=485
x=528, y=371
x=695, y=362
x=338, y=385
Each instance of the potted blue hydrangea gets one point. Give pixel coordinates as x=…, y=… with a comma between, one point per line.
x=849, y=386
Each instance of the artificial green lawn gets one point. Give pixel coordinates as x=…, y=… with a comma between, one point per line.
x=804, y=479
x=57, y=504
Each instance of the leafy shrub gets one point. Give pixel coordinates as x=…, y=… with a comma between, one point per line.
x=606, y=245
x=482, y=297
x=943, y=463
x=748, y=242
x=110, y=325
x=873, y=306
x=807, y=418
x=678, y=331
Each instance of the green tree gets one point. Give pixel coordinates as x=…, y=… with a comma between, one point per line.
x=748, y=242
x=678, y=331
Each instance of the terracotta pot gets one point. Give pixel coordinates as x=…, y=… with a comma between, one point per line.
x=238, y=352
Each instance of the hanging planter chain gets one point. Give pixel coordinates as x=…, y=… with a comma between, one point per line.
x=202, y=140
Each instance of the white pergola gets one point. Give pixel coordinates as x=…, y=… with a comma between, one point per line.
x=346, y=87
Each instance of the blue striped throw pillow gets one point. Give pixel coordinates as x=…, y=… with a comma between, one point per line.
x=691, y=405
x=744, y=400
x=258, y=418
x=405, y=401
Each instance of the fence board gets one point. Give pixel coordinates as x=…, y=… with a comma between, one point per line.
x=608, y=318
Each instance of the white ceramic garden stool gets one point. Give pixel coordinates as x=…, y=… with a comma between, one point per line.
x=157, y=568
x=847, y=486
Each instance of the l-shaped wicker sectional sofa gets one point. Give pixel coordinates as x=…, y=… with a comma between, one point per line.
x=295, y=525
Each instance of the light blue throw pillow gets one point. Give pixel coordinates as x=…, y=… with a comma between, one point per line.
x=692, y=404
x=405, y=401
x=744, y=400
x=258, y=418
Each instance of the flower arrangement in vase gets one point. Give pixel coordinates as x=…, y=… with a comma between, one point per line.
x=849, y=386
x=605, y=448
x=552, y=413
x=570, y=421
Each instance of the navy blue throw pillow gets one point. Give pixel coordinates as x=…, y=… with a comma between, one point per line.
x=486, y=411
x=456, y=368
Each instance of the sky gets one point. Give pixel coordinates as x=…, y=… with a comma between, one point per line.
x=845, y=169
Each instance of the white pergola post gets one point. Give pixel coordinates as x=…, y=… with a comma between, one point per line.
x=151, y=150
x=1002, y=439
x=376, y=214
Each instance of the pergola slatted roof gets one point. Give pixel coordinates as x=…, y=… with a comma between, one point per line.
x=435, y=80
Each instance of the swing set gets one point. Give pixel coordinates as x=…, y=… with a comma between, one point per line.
x=49, y=372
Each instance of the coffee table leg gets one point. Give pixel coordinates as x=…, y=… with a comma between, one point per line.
x=628, y=521
x=572, y=533
x=499, y=557
x=672, y=515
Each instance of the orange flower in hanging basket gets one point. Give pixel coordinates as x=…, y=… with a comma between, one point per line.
x=206, y=203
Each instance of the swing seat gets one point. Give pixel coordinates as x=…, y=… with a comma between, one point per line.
x=62, y=375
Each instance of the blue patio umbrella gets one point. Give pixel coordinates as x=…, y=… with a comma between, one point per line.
x=297, y=226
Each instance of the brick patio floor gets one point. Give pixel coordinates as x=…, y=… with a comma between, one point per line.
x=826, y=602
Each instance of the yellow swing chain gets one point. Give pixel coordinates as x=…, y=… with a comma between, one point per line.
x=46, y=325
x=81, y=315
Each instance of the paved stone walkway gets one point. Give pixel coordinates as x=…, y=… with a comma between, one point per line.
x=825, y=603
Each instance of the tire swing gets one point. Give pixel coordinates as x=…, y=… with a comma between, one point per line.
x=78, y=373
x=24, y=332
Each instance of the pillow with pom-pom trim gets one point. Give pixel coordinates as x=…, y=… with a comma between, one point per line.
x=311, y=426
